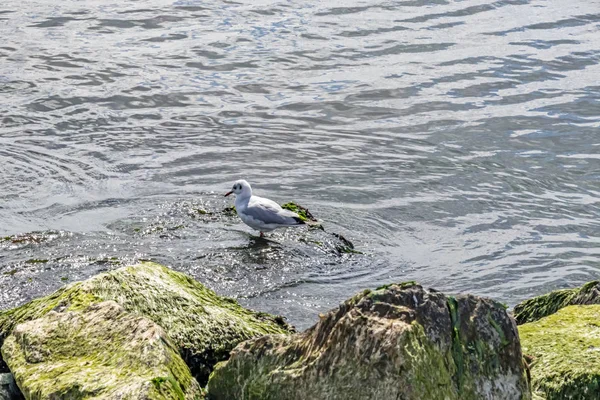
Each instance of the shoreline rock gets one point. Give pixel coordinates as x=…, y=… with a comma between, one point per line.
x=541, y=306
x=101, y=351
x=560, y=335
x=204, y=326
x=564, y=349
x=399, y=341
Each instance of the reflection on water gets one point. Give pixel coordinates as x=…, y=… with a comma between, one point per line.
x=455, y=143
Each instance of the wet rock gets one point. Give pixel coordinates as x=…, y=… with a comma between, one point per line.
x=31, y=238
x=397, y=342
x=8, y=387
x=564, y=352
x=302, y=212
x=203, y=326
x=100, y=352
x=541, y=306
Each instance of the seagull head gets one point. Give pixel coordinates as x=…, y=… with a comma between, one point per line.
x=240, y=188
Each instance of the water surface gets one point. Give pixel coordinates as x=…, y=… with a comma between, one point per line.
x=456, y=143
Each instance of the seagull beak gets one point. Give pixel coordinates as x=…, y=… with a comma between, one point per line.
x=228, y=193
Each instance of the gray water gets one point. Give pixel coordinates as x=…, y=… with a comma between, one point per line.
x=456, y=143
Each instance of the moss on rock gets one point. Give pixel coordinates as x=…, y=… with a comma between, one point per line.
x=541, y=306
x=100, y=352
x=399, y=341
x=302, y=212
x=204, y=326
x=565, y=349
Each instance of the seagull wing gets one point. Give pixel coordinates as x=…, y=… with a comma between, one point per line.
x=269, y=212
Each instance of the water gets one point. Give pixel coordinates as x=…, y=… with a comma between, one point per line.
x=456, y=143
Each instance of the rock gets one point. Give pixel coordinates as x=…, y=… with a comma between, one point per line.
x=564, y=348
x=204, y=326
x=100, y=352
x=541, y=306
x=8, y=387
x=302, y=212
x=397, y=342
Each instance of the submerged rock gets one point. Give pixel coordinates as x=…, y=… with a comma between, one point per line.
x=565, y=353
x=8, y=387
x=397, y=342
x=544, y=305
x=100, y=352
x=203, y=326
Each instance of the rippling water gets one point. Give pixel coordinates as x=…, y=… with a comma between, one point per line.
x=456, y=143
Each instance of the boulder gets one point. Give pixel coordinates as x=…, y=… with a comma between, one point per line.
x=397, y=342
x=541, y=306
x=203, y=326
x=564, y=349
x=100, y=352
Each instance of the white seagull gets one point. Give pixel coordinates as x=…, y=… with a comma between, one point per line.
x=259, y=213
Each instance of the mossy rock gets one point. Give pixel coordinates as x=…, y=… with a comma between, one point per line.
x=204, y=326
x=565, y=352
x=542, y=306
x=397, y=342
x=100, y=352
x=302, y=212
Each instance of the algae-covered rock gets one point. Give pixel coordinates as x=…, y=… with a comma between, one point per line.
x=541, y=306
x=565, y=352
x=397, y=342
x=302, y=212
x=204, y=326
x=100, y=352
x=8, y=387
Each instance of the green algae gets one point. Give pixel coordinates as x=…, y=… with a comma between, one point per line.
x=544, y=305
x=348, y=250
x=160, y=229
x=503, y=340
x=230, y=210
x=565, y=352
x=485, y=350
x=302, y=212
x=401, y=285
x=456, y=347
x=62, y=354
x=29, y=238
x=36, y=261
x=204, y=326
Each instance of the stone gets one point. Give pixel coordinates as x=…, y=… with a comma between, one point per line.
x=204, y=327
x=400, y=341
x=99, y=352
x=564, y=349
x=541, y=306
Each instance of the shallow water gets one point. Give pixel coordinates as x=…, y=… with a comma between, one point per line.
x=456, y=143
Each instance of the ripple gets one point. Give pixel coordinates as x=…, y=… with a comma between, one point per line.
x=454, y=142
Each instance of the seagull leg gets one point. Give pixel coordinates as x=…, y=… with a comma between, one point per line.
x=262, y=235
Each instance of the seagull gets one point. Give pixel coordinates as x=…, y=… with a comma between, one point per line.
x=259, y=213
